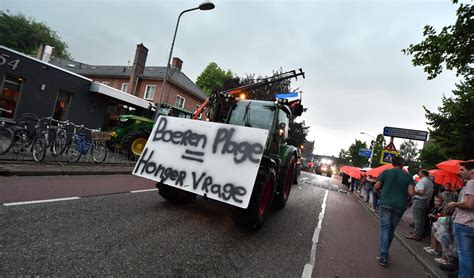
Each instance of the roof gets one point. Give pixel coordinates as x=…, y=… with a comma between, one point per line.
x=177, y=77
x=45, y=63
x=117, y=94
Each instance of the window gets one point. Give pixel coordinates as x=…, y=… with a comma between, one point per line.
x=61, y=108
x=9, y=95
x=180, y=101
x=149, y=92
x=124, y=87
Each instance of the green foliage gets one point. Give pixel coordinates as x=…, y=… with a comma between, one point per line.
x=431, y=155
x=213, y=78
x=297, y=133
x=356, y=160
x=409, y=152
x=452, y=128
x=454, y=46
x=379, y=145
x=266, y=92
x=344, y=158
x=25, y=35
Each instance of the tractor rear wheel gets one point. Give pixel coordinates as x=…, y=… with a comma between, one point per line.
x=260, y=202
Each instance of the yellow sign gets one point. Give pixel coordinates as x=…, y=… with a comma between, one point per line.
x=387, y=156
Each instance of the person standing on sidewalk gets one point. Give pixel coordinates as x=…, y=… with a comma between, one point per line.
x=464, y=222
x=395, y=186
x=421, y=203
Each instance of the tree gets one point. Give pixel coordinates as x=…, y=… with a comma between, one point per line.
x=451, y=128
x=343, y=158
x=453, y=46
x=431, y=155
x=356, y=160
x=297, y=133
x=409, y=152
x=379, y=145
x=25, y=35
x=213, y=78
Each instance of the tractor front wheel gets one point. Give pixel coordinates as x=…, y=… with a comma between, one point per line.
x=260, y=202
x=175, y=195
x=285, y=182
x=134, y=143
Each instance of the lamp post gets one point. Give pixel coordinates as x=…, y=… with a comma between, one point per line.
x=372, y=149
x=203, y=7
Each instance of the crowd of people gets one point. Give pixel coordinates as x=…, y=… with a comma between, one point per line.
x=440, y=212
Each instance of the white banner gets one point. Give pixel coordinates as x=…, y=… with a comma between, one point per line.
x=216, y=160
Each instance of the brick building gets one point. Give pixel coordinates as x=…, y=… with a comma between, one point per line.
x=142, y=81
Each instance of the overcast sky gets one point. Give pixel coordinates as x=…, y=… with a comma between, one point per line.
x=356, y=76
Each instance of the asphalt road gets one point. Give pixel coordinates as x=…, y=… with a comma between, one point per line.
x=141, y=234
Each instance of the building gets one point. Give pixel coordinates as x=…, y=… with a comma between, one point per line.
x=142, y=81
x=68, y=90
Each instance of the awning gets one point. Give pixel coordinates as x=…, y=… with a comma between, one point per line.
x=117, y=94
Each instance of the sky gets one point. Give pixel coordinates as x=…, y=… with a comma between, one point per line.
x=357, y=79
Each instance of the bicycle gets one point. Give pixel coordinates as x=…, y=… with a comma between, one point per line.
x=6, y=135
x=52, y=137
x=23, y=135
x=79, y=146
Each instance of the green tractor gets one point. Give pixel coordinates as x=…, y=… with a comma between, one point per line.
x=132, y=132
x=278, y=169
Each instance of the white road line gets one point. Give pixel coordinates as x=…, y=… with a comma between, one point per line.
x=308, y=268
x=144, y=190
x=41, y=201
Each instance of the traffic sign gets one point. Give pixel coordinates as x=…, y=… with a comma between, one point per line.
x=387, y=156
x=419, y=135
x=365, y=153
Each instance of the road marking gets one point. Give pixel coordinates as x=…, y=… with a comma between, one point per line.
x=144, y=190
x=308, y=268
x=41, y=201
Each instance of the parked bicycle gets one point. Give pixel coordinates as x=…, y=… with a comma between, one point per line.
x=79, y=145
x=6, y=134
x=50, y=136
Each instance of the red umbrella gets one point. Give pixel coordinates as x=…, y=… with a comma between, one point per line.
x=449, y=180
x=375, y=172
x=451, y=166
x=352, y=171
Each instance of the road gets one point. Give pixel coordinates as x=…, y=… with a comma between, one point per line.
x=141, y=234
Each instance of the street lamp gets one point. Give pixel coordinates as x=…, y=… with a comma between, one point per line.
x=206, y=6
x=372, y=149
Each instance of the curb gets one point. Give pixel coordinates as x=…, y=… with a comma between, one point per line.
x=422, y=261
x=10, y=173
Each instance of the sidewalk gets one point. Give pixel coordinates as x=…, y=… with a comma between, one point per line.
x=29, y=168
x=414, y=247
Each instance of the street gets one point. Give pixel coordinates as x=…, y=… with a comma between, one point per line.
x=142, y=234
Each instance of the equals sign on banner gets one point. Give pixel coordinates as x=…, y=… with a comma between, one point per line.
x=195, y=156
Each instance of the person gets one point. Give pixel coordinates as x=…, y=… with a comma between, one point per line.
x=345, y=180
x=395, y=186
x=368, y=188
x=421, y=202
x=444, y=235
x=433, y=216
x=464, y=221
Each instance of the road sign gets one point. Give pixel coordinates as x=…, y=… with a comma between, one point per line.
x=419, y=135
x=365, y=153
x=387, y=156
